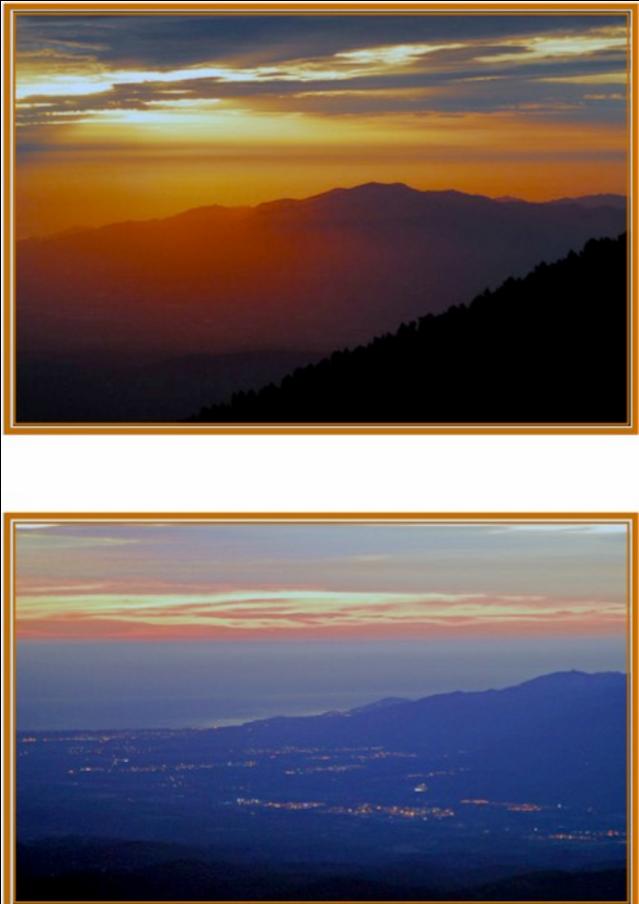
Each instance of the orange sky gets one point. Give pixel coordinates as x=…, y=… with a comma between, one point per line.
x=133, y=117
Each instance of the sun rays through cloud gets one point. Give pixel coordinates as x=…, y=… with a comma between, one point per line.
x=292, y=105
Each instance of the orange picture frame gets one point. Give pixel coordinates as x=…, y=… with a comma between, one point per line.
x=12, y=426
x=630, y=519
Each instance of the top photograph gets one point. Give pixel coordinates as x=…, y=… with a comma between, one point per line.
x=320, y=218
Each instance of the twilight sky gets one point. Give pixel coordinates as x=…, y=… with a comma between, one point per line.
x=171, y=624
x=133, y=116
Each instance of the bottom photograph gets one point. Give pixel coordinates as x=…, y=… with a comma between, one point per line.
x=319, y=707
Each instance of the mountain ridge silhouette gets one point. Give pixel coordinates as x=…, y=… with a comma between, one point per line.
x=98, y=310
x=333, y=269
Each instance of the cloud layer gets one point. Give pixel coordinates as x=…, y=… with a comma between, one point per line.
x=131, y=117
x=78, y=70
x=283, y=582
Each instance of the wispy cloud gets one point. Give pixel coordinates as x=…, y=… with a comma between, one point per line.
x=54, y=75
x=235, y=110
x=103, y=581
x=294, y=612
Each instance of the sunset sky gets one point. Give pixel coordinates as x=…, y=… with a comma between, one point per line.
x=302, y=581
x=126, y=624
x=122, y=117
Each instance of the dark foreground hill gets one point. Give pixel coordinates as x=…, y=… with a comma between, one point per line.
x=551, y=347
x=72, y=869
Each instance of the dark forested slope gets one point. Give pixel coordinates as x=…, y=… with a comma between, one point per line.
x=550, y=347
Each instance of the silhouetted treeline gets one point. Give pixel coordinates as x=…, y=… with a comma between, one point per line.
x=551, y=347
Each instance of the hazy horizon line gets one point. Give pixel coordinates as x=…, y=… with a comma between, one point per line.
x=319, y=711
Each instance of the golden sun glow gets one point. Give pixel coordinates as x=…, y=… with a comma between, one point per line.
x=435, y=102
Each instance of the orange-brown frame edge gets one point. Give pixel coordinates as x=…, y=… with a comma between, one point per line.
x=8, y=672
x=391, y=8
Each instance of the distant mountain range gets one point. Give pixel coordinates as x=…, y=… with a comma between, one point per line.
x=551, y=347
x=512, y=794
x=600, y=200
x=289, y=276
x=318, y=273
x=560, y=736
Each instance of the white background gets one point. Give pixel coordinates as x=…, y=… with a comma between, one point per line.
x=250, y=473
x=377, y=473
